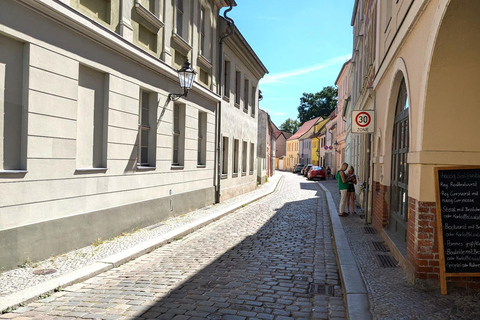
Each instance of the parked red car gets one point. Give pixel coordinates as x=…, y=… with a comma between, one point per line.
x=317, y=173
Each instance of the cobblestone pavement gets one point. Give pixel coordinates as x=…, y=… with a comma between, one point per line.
x=272, y=259
x=24, y=277
x=391, y=295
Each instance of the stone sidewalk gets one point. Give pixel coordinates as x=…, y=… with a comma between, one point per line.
x=390, y=294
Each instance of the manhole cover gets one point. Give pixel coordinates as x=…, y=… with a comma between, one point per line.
x=42, y=272
x=321, y=289
x=369, y=230
x=386, y=261
x=379, y=246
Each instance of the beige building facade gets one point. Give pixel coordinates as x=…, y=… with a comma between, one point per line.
x=89, y=134
x=425, y=98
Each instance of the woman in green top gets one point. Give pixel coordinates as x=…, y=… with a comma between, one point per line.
x=343, y=187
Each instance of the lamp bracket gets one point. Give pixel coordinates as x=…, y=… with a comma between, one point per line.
x=176, y=96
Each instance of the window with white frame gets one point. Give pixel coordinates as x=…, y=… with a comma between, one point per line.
x=202, y=28
x=252, y=156
x=180, y=19
x=225, y=155
x=254, y=101
x=246, y=86
x=12, y=127
x=235, y=156
x=202, y=138
x=178, y=156
x=91, y=119
x=238, y=78
x=226, y=79
x=244, y=157
x=147, y=133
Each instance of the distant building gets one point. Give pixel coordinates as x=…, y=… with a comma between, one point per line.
x=281, y=138
x=266, y=147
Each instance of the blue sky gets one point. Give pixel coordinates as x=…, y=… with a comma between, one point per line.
x=303, y=44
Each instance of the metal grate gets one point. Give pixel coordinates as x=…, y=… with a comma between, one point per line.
x=379, y=246
x=369, y=230
x=386, y=261
x=321, y=289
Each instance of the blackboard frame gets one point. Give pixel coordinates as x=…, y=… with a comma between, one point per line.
x=439, y=215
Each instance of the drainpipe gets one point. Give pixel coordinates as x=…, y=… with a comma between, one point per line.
x=230, y=30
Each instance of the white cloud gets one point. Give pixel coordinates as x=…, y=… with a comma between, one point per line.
x=275, y=78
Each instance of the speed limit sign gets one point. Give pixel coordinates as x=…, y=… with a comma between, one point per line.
x=363, y=121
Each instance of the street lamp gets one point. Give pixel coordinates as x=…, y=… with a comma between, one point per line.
x=335, y=146
x=186, y=75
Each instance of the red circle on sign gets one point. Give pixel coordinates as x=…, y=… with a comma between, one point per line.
x=367, y=122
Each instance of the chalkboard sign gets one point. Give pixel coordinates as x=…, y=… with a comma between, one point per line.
x=458, y=221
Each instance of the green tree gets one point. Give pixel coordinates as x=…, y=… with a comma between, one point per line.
x=290, y=125
x=320, y=104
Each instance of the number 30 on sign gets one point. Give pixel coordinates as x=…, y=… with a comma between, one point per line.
x=363, y=121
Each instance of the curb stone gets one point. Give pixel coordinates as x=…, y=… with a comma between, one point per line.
x=355, y=292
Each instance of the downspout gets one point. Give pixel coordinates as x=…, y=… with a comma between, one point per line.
x=230, y=30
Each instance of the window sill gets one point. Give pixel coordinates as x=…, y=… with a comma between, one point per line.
x=244, y=174
x=204, y=62
x=176, y=167
x=251, y=172
x=245, y=110
x=90, y=170
x=237, y=105
x=201, y=166
x=14, y=173
x=235, y=175
x=148, y=16
x=184, y=45
x=145, y=168
x=224, y=176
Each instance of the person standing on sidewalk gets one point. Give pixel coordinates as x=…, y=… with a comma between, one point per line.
x=352, y=181
x=342, y=187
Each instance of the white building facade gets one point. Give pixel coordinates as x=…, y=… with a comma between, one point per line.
x=92, y=146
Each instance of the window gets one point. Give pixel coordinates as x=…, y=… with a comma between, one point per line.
x=91, y=119
x=147, y=132
x=225, y=156
x=235, y=157
x=98, y=9
x=246, y=86
x=254, y=104
x=252, y=156
x=202, y=31
x=12, y=112
x=178, y=134
x=399, y=173
x=179, y=15
x=202, y=138
x=226, y=82
x=238, y=78
x=244, y=157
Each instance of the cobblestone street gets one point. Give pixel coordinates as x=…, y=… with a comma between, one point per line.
x=272, y=259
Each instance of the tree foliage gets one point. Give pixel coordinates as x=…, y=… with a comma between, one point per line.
x=320, y=104
x=290, y=125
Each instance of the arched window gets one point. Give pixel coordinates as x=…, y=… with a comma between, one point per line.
x=399, y=178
